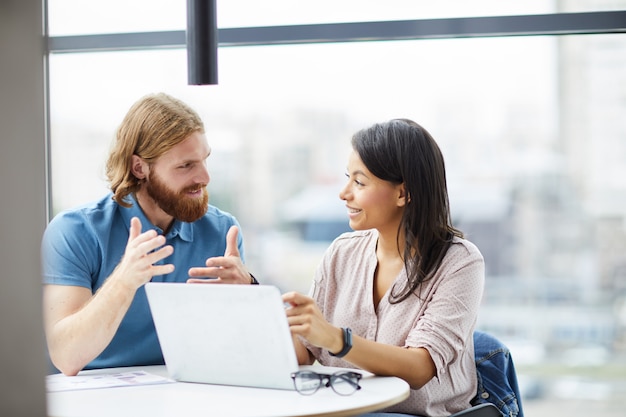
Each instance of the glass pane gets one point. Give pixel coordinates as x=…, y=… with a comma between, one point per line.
x=533, y=135
x=79, y=17
x=71, y=17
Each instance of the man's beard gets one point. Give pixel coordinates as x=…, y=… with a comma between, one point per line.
x=178, y=204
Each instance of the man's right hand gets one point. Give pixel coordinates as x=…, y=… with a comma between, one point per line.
x=143, y=250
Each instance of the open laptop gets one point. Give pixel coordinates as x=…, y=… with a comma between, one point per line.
x=223, y=334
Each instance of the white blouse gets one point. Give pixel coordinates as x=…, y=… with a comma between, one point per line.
x=440, y=317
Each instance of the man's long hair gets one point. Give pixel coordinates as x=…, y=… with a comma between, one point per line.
x=153, y=125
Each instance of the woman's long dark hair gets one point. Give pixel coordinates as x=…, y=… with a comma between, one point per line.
x=401, y=151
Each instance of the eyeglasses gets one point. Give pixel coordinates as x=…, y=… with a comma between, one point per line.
x=343, y=382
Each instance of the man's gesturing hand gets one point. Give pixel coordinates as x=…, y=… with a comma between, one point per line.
x=227, y=269
x=143, y=250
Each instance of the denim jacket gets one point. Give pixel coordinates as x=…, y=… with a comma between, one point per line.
x=497, y=381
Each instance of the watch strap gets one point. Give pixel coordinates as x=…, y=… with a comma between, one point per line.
x=347, y=343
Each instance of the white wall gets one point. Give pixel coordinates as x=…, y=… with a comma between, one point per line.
x=22, y=213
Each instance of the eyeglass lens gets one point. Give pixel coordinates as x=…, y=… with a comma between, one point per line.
x=345, y=383
x=306, y=383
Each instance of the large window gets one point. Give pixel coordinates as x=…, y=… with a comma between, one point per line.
x=69, y=17
x=531, y=128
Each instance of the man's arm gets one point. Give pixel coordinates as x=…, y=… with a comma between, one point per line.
x=79, y=325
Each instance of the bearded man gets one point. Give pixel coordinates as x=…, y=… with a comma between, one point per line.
x=155, y=225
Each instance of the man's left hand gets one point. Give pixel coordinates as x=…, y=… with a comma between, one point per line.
x=227, y=269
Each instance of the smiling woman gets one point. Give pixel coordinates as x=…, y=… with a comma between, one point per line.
x=415, y=284
x=531, y=149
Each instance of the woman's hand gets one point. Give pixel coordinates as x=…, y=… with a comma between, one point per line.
x=414, y=365
x=306, y=320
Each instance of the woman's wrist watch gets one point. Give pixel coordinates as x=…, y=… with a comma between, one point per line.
x=347, y=343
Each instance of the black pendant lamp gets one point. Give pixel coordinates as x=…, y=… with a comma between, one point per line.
x=201, y=42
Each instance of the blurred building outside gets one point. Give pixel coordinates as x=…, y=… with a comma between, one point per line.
x=537, y=181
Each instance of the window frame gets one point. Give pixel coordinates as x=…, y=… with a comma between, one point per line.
x=470, y=27
x=586, y=23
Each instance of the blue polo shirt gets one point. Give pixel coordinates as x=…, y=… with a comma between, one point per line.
x=83, y=246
